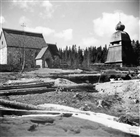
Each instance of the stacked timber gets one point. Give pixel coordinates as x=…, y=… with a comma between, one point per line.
x=22, y=88
x=25, y=85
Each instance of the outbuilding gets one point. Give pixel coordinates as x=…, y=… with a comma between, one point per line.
x=48, y=57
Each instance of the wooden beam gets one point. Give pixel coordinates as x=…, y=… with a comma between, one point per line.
x=25, y=85
x=24, y=91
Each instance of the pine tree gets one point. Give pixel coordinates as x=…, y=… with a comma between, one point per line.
x=104, y=54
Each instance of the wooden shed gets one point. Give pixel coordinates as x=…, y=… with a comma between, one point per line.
x=48, y=56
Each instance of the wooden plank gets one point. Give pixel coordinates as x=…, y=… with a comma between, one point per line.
x=25, y=91
x=18, y=105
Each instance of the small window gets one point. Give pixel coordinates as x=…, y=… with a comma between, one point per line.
x=2, y=42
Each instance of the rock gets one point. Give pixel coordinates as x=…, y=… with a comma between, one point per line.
x=136, y=101
x=128, y=120
x=138, y=76
x=42, y=120
x=127, y=77
x=86, y=107
x=33, y=128
x=77, y=95
x=66, y=114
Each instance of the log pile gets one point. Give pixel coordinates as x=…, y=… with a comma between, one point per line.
x=22, y=88
x=25, y=91
x=25, y=85
x=33, y=87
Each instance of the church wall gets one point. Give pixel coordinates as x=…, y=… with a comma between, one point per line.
x=3, y=55
x=15, y=56
x=3, y=49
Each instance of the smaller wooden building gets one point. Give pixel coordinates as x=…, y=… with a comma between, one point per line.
x=48, y=57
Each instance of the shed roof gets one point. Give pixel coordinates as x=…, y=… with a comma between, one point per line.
x=18, y=38
x=51, y=47
x=41, y=53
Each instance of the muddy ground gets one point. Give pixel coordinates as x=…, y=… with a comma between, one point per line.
x=56, y=126
x=120, y=98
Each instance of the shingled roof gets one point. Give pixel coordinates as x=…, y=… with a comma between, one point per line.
x=17, y=38
x=120, y=36
x=51, y=47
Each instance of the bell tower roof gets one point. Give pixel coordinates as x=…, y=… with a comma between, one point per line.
x=120, y=26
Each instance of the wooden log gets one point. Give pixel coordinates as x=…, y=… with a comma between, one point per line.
x=86, y=86
x=18, y=105
x=83, y=85
x=19, y=82
x=7, y=111
x=80, y=78
x=25, y=91
x=28, y=85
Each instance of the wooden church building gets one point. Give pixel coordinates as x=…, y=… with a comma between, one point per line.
x=120, y=51
x=16, y=45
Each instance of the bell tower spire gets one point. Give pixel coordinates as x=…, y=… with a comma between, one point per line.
x=120, y=26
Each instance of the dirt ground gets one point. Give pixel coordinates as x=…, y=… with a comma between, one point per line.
x=118, y=98
x=126, y=94
x=56, y=126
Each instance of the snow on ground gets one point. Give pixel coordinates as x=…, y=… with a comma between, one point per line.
x=48, y=70
x=117, y=86
x=107, y=120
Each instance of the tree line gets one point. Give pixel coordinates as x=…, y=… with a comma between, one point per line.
x=136, y=51
x=75, y=57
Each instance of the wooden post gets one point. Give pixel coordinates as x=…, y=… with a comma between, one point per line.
x=23, y=65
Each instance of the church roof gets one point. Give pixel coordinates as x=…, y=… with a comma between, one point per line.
x=18, y=38
x=120, y=36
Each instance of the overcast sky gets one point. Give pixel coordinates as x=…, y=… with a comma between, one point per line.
x=67, y=22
